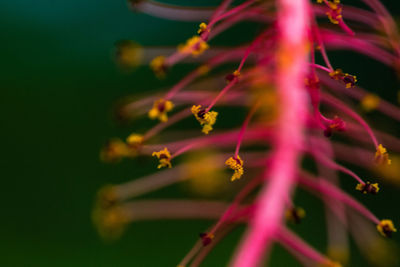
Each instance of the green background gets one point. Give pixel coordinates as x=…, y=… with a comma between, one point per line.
x=58, y=87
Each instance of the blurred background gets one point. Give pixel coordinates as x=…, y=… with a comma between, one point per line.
x=59, y=84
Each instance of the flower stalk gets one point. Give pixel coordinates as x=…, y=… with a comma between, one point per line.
x=299, y=105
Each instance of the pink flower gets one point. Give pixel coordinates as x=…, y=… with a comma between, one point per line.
x=283, y=86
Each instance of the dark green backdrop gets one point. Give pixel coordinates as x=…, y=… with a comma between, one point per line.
x=58, y=85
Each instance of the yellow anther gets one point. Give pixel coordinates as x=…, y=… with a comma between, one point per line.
x=159, y=66
x=203, y=69
x=370, y=102
x=334, y=1
x=335, y=12
x=380, y=252
x=110, y=222
x=206, y=119
x=381, y=156
x=134, y=139
x=338, y=253
x=160, y=109
x=129, y=54
x=386, y=228
x=115, y=150
x=203, y=172
x=348, y=79
x=195, y=46
x=236, y=164
x=230, y=77
x=390, y=172
x=107, y=197
x=334, y=19
x=336, y=74
x=202, y=28
x=368, y=188
x=164, y=158
x=295, y=214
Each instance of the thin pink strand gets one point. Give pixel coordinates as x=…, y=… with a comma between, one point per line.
x=244, y=127
x=340, y=105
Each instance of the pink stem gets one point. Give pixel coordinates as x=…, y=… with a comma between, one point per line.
x=221, y=8
x=320, y=67
x=328, y=189
x=321, y=45
x=333, y=165
x=184, y=82
x=293, y=20
x=233, y=11
x=226, y=89
x=292, y=241
x=346, y=28
x=244, y=127
x=236, y=79
x=359, y=93
x=195, y=249
x=340, y=105
x=242, y=194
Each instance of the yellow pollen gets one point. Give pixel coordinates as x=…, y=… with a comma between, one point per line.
x=202, y=28
x=203, y=69
x=211, y=236
x=334, y=20
x=381, y=156
x=110, y=222
x=386, y=228
x=206, y=119
x=368, y=188
x=160, y=109
x=336, y=74
x=334, y=1
x=203, y=173
x=115, y=150
x=159, y=66
x=348, y=79
x=129, y=54
x=235, y=164
x=335, y=13
x=107, y=197
x=195, y=46
x=370, y=102
x=134, y=139
x=164, y=158
x=351, y=83
x=338, y=253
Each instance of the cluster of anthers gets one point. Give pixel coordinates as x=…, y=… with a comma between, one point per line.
x=295, y=102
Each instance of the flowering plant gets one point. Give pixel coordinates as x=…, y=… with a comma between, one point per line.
x=295, y=104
